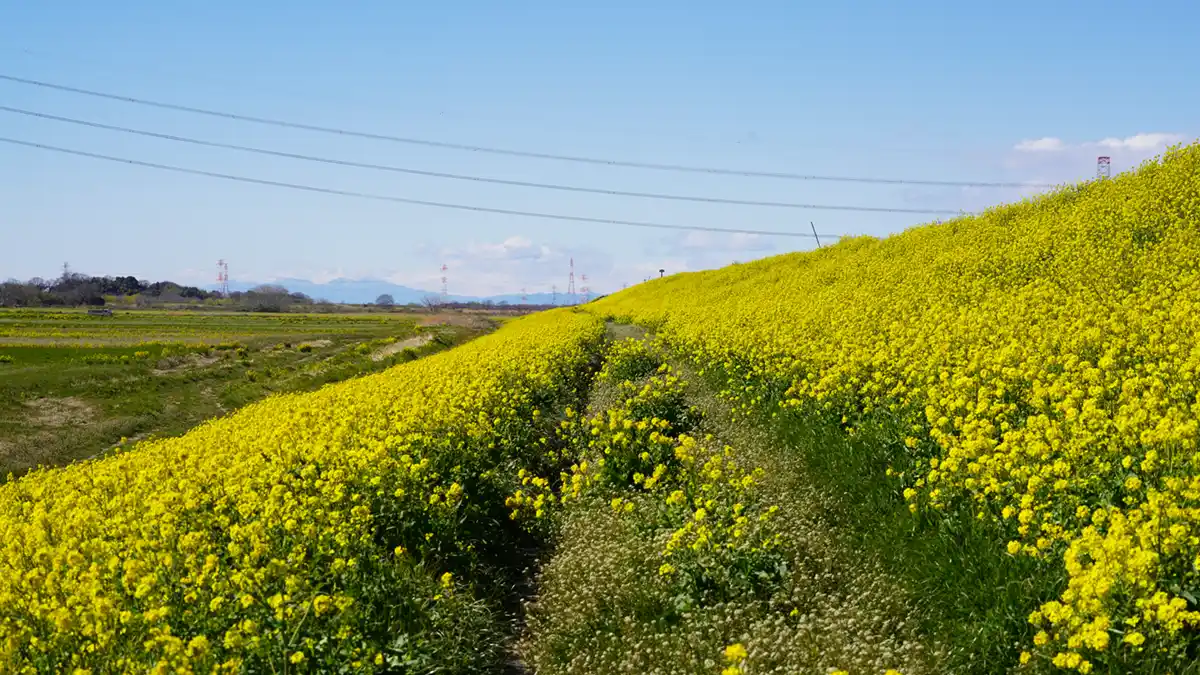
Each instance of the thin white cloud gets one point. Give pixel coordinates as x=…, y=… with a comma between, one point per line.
x=326, y=276
x=512, y=248
x=699, y=240
x=1141, y=142
x=1047, y=144
x=1050, y=160
x=513, y=264
x=1137, y=143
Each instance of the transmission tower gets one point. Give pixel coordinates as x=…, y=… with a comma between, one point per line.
x=1103, y=167
x=585, y=289
x=524, y=300
x=223, y=277
x=571, y=284
x=554, y=295
x=445, y=288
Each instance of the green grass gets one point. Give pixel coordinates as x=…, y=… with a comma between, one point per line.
x=816, y=603
x=67, y=326
x=973, y=597
x=61, y=402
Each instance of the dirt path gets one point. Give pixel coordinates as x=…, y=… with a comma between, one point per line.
x=396, y=347
x=849, y=612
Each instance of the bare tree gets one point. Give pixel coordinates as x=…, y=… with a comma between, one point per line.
x=268, y=298
x=170, y=295
x=431, y=302
x=16, y=294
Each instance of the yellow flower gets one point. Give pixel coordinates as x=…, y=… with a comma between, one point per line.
x=322, y=604
x=250, y=516
x=1041, y=352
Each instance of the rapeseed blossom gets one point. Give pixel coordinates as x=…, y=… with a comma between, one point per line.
x=303, y=521
x=1040, y=365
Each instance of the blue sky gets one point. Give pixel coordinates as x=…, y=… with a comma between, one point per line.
x=1014, y=91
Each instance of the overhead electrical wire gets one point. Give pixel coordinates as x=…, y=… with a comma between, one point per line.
x=404, y=200
x=479, y=179
x=119, y=67
x=515, y=153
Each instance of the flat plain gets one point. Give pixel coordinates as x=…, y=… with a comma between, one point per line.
x=74, y=385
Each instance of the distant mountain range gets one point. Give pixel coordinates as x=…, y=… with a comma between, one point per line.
x=364, y=291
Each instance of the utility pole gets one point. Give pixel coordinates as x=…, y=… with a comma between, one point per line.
x=223, y=277
x=814, y=229
x=571, y=283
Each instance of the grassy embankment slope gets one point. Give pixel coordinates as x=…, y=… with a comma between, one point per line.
x=1006, y=405
x=984, y=454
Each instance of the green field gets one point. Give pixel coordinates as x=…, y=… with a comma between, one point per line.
x=73, y=386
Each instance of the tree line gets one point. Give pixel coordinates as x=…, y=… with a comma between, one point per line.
x=75, y=290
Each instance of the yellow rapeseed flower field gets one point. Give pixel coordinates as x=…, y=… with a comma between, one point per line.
x=1033, y=372
x=322, y=531
x=1040, y=362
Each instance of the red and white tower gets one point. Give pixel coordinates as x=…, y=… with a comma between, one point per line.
x=223, y=277
x=445, y=288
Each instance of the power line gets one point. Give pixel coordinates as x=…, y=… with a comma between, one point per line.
x=516, y=153
x=401, y=200
x=478, y=179
x=213, y=77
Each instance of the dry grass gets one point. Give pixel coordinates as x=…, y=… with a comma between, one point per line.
x=59, y=412
x=401, y=345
